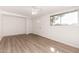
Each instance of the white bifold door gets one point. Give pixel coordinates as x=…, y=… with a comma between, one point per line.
x=12, y=25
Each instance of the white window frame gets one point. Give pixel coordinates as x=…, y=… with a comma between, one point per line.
x=51, y=20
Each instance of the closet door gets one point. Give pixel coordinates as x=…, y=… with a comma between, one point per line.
x=13, y=25
x=0, y=30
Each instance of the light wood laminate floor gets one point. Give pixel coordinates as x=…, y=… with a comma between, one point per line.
x=33, y=44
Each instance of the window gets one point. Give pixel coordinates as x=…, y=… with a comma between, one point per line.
x=64, y=19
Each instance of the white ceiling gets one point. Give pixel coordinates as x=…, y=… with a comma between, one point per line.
x=23, y=10
x=27, y=10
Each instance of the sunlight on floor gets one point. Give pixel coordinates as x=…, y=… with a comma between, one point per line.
x=54, y=50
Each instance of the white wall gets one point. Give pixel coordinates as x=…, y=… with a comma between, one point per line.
x=12, y=25
x=28, y=25
x=65, y=34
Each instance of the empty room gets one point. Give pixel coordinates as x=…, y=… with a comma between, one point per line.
x=39, y=29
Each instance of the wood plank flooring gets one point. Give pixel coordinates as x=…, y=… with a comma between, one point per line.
x=33, y=44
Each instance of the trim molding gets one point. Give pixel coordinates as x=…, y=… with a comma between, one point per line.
x=12, y=14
